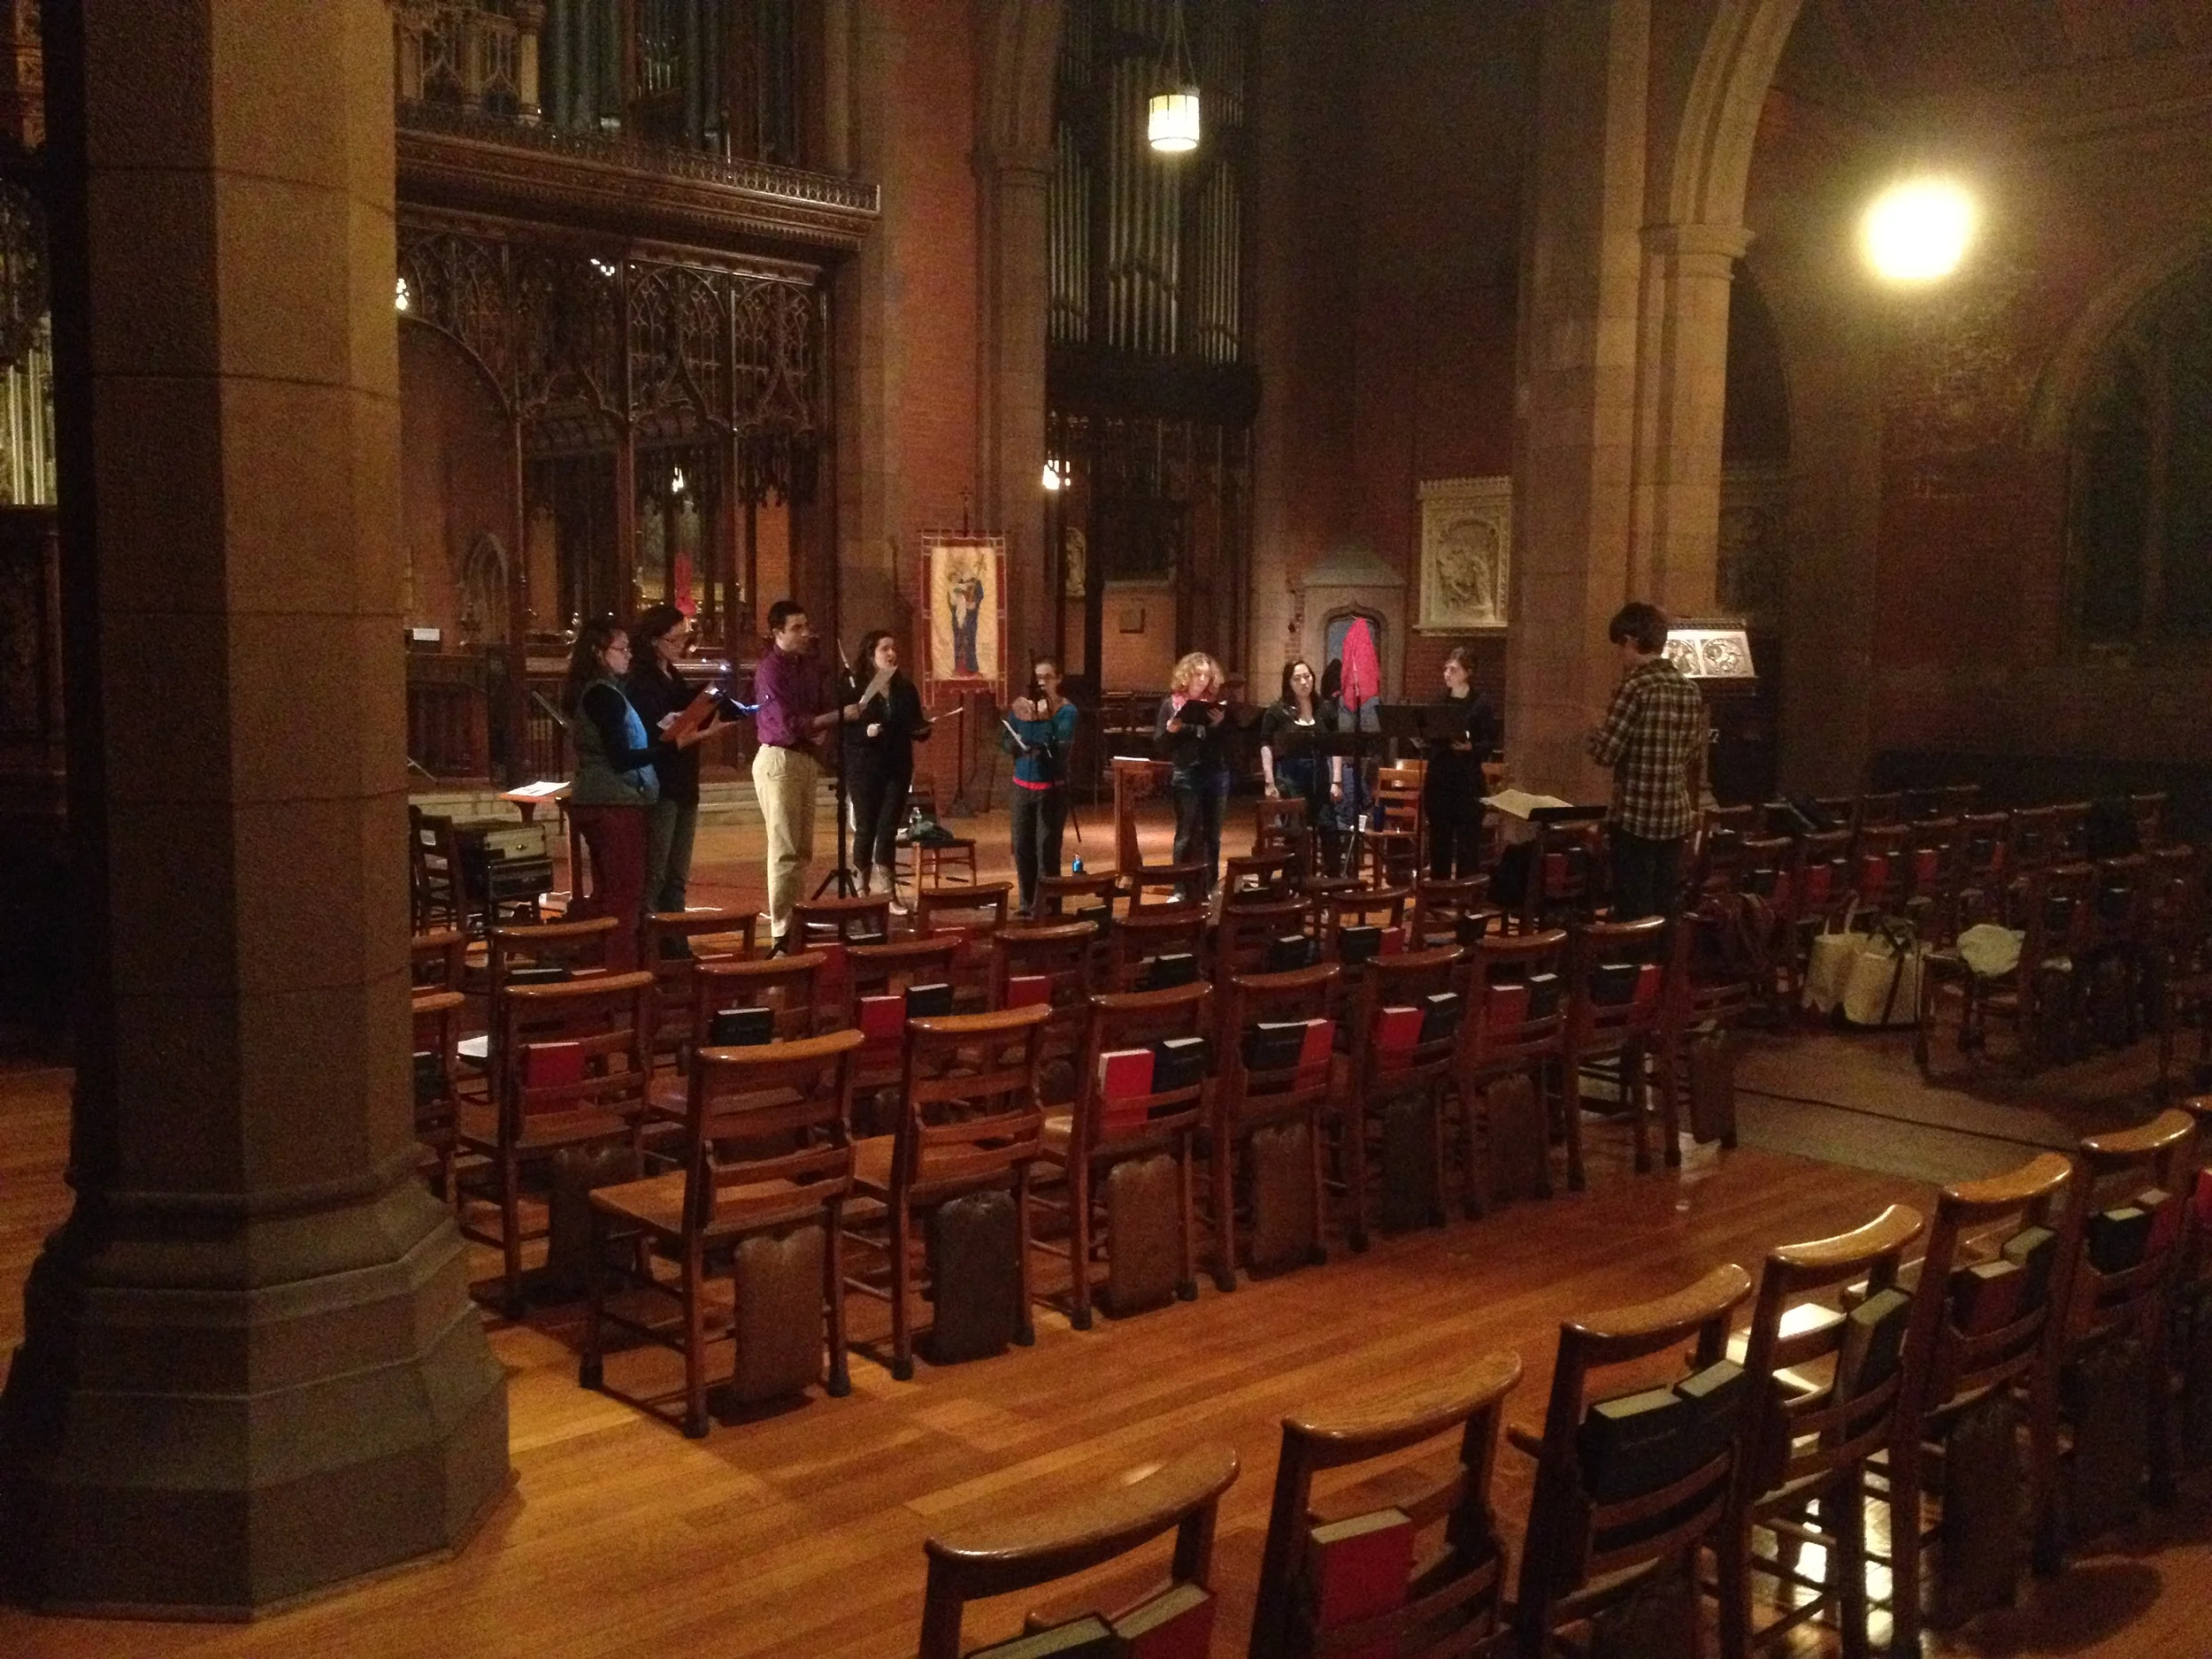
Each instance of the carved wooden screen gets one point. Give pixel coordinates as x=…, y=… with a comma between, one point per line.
x=693, y=392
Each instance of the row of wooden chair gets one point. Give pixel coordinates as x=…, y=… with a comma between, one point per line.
x=1863, y=1378
x=969, y=1107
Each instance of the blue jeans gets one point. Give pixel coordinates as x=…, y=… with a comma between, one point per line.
x=1200, y=799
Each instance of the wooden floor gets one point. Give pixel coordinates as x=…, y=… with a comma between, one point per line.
x=800, y=1532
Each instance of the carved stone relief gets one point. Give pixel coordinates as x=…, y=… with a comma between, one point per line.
x=1466, y=552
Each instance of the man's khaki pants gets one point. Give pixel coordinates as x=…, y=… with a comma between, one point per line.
x=785, y=780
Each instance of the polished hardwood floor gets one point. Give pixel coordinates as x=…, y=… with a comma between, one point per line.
x=799, y=1531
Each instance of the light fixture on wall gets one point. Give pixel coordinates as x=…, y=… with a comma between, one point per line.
x=404, y=297
x=1917, y=230
x=1172, y=118
x=1054, y=479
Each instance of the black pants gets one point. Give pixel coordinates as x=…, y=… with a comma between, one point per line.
x=1306, y=779
x=1200, y=799
x=1644, y=880
x=1454, y=844
x=878, y=795
x=1038, y=817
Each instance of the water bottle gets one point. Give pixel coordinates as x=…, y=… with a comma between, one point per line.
x=1077, y=867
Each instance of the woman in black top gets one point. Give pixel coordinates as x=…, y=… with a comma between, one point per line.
x=1192, y=728
x=658, y=639
x=1463, y=730
x=880, y=759
x=1290, y=760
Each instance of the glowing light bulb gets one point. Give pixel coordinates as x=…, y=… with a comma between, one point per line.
x=1052, y=478
x=1171, y=121
x=404, y=297
x=1917, y=231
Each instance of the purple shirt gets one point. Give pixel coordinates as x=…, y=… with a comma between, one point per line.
x=790, y=692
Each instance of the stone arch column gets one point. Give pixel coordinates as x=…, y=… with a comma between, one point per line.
x=1690, y=250
x=1018, y=41
x=250, y=1368
x=1647, y=113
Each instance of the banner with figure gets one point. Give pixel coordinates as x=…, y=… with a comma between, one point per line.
x=963, y=603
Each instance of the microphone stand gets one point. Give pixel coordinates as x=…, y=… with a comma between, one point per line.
x=843, y=875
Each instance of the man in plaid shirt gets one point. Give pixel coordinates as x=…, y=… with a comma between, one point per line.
x=1652, y=738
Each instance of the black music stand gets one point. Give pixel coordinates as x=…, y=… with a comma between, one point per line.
x=843, y=875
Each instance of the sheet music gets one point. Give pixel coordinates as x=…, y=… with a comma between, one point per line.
x=1519, y=803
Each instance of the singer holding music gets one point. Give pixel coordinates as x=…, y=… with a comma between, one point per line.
x=880, y=758
x=1193, y=731
x=1462, y=729
x=617, y=781
x=796, y=712
x=1043, y=732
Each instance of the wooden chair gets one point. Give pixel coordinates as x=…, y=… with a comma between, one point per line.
x=2150, y=819
x=960, y=1130
x=1985, y=841
x=1715, y=979
x=2033, y=839
x=1361, y=907
x=972, y=914
x=2070, y=828
x=2181, y=992
x=1454, y=1599
x=2122, y=1301
x=1247, y=932
x=2053, y=904
x=434, y=871
x=1929, y=866
x=1625, y=1031
x=1820, y=892
x=1494, y=1047
x=789, y=986
x=1061, y=954
x=1877, y=875
x=673, y=944
x=1143, y=934
x=890, y=970
x=1256, y=877
x=1823, y=1402
x=1136, y=780
x=1566, y=875
x=1878, y=809
x=766, y=1151
x=437, y=1017
x=1000, y=1557
x=1064, y=895
x=925, y=865
x=1393, y=853
x=1585, y=1553
x=1082, y=1145
x=1380, y=1078
x=1287, y=1098
x=1440, y=906
x=608, y=1020
x=1279, y=826
x=437, y=960
x=840, y=919
x=1948, y=1369
x=534, y=951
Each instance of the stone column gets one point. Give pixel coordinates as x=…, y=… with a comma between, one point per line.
x=1576, y=399
x=1681, y=391
x=1011, y=198
x=251, y=1366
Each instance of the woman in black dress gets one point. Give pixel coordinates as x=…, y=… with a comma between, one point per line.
x=880, y=759
x=1463, y=730
x=1291, y=761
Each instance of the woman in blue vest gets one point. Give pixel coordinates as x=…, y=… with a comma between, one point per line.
x=616, y=782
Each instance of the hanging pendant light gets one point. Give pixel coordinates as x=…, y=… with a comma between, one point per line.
x=1172, y=118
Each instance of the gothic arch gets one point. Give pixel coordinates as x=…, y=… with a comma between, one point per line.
x=1711, y=149
x=2058, y=391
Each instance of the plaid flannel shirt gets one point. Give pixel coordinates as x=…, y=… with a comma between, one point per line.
x=1650, y=735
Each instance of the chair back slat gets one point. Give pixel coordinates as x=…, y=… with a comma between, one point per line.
x=1000, y=1120
x=1462, y=1583
x=1002, y=1556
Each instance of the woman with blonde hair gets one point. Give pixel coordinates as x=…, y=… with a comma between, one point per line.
x=1192, y=730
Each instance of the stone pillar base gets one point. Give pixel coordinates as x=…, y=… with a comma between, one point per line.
x=190, y=1431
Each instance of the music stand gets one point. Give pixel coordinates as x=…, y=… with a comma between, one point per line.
x=842, y=874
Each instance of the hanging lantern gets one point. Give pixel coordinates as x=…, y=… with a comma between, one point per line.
x=1171, y=122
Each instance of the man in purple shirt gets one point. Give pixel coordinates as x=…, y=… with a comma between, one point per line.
x=795, y=710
